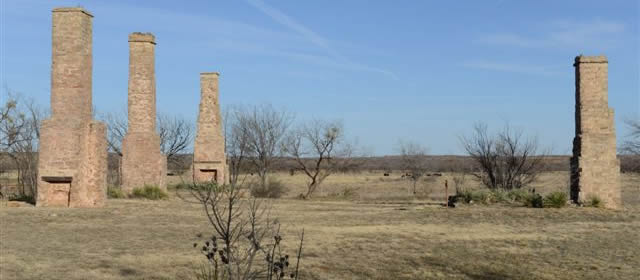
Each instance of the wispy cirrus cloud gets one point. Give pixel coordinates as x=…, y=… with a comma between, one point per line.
x=511, y=67
x=339, y=60
x=596, y=33
x=217, y=33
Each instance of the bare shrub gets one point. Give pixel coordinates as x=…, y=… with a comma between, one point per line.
x=273, y=189
x=459, y=181
x=413, y=156
x=506, y=160
x=247, y=237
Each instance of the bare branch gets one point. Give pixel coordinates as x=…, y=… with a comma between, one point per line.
x=176, y=135
x=20, y=121
x=319, y=150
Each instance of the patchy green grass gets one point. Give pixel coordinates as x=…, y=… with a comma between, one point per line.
x=115, y=192
x=594, y=201
x=149, y=192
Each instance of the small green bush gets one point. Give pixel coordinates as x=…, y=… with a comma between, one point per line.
x=115, y=192
x=517, y=196
x=556, y=200
x=149, y=192
x=205, y=186
x=594, y=201
x=464, y=195
x=180, y=186
x=273, y=189
x=483, y=196
x=499, y=196
x=520, y=195
x=534, y=200
x=23, y=198
x=489, y=197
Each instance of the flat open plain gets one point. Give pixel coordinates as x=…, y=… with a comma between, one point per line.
x=376, y=232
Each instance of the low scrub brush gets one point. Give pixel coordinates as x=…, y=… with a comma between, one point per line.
x=556, y=200
x=115, y=192
x=149, y=192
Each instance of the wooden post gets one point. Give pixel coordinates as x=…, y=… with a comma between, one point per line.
x=446, y=193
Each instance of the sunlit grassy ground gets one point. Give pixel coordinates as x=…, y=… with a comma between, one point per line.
x=379, y=232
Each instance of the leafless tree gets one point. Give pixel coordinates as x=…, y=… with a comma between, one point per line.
x=20, y=121
x=263, y=128
x=319, y=149
x=631, y=146
x=506, y=160
x=176, y=135
x=414, y=163
x=116, y=130
x=236, y=146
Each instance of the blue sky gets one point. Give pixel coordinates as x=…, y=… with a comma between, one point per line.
x=422, y=71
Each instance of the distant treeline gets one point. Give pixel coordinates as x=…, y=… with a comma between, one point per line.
x=435, y=163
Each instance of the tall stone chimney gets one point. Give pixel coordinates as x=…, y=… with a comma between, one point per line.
x=595, y=169
x=142, y=161
x=72, y=161
x=209, y=161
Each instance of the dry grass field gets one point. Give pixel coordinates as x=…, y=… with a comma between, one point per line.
x=376, y=231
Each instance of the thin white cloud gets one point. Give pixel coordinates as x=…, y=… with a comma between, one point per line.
x=213, y=32
x=292, y=24
x=299, y=56
x=596, y=33
x=512, y=67
x=315, y=38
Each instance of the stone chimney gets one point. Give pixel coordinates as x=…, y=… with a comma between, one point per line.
x=72, y=163
x=209, y=161
x=595, y=169
x=142, y=161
